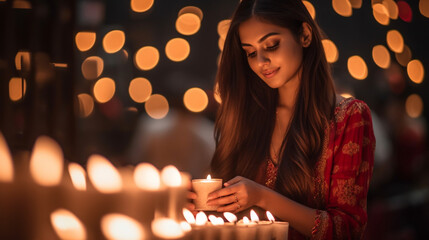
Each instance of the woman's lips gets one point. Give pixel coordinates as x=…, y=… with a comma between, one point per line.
x=270, y=73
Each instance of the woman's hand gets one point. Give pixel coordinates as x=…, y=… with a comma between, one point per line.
x=239, y=193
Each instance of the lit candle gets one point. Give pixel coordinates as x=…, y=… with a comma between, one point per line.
x=246, y=230
x=67, y=225
x=116, y=226
x=203, y=187
x=264, y=228
x=280, y=229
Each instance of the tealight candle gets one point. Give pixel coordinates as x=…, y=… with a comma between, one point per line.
x=203, y=187
x=280, y=229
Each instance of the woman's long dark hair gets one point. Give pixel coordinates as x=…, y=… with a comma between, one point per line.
x=246, y=116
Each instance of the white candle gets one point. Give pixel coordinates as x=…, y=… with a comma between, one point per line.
x=264, y=228
x=203, y=187
x=246, y=230
x=280, y=229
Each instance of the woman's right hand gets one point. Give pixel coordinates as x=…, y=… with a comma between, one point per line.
x=190, y=204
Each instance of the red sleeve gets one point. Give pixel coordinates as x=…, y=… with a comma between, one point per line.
x=345, y=216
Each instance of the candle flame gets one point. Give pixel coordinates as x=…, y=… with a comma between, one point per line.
x=270, y=216
x=246, y=220
x=217, y=221
x=254, y=216
x=146, y=177
x=201, y=219
x=167, y=228
x=188, y=216
x=67, y=225
x=77, y=175
x=230, y=217
x=6, y=163
x=46, y=164
x=171, y=176
x=117, y=226
x=209, y=177
x=104, y=175
x=186, y=227
x=213, y=219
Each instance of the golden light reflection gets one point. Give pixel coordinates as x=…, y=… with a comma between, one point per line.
x=104, y=176
x=310, y=8
x=166, y=228
x=424, y=7
x=230, y=217
x=22, y=60
x=404, y=57
x=216, y=93
x=331, y=50
x=188, y=24
x=342, y=7
x=191, y=9
x=104, y=89
x=157, y=106
x=357, y=67
x=222, y=28
x=113, y=41
x=381, y=14
x=78, y=176
x=147, y=177
x=177, y=49
x=140, y=89
x=86, y=104
x=17, y=88
x=346, y=95
x=92, y=67
x=67, y=225
x=46, y=163
x=414, y=106
x=415, y=71
x=6, y=163
x=141, y=5
x=381, y=56
x=85, y=40
x=117, y=226
x=356, y=3
x=392, y=8
x=170, y=176
x=195, y=100
x=395, y=41
x=146, y=58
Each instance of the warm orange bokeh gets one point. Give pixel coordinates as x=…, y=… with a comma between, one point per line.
x=177, y=49
x=113, y=41
x=331, y=50
x=140, y=89
x=104, y=90
x=357, y=67
x=188, y=24
x=85, y=40
x=157, y=106
x=381, y=56
x=146, y=58
x=195, y=100
x=141, y=5
x=86, y=104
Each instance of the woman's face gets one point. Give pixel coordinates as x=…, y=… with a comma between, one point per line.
x=273, y=52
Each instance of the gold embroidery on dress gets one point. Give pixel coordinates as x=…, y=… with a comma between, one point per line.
x=351, y=148
x=338, y=222
x=322, y=225
x=364, y=167
x=346, y=191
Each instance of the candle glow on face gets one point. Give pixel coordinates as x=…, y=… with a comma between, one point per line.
x=167, y=228
x=104, y=175
x=67, y=225
x=270, y=217
x=253, y=216
x=171, y=176
x=46, y=164
x=6, y=164
x=118, y=226
x=230, y=217
x=201, y=219
x=146, y=177
x=77, y=175
x=189, y=217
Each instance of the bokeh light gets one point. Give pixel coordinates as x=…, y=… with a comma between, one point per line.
x=17, y=88
x=415, y=71
x=104, y=89
x=22, y=60
x=356, y=3
x=116, y=226
x=86, y=104
x=140, y=89
x=216, y=93
x=346, y=95
x=381, y=14
x=222, y=27
x=405, y=12
x=331, y=50
x=188, y=24
x=157, y=106
x=381, y=56
x=310, y=8
x=146, y=58
x=77, y=176
x=342, y=7
x=177, y=49
x=103, y=175
x=424, y=7
x=92, y=67
x=113, y=41
x=191, y=9
x=404, y=57
x=141, y=5
x=414, y=106
x=357, y=67
x=85, y=40
x=221, y=43
x=392, y=8
x=67, y=225
x=195, y=100
x=395, y=41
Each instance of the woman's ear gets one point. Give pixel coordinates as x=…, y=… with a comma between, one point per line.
x=306, y=35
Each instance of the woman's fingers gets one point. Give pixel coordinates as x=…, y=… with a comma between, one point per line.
x=190, y=206
x=222, y=200
x=233, y=207
x=233, y=181
x=191, y=195
x=222, y=192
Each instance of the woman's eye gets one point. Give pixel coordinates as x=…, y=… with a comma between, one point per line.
x=252, y=54
x=273, y=47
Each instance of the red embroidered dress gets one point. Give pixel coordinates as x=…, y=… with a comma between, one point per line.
x=342, y=174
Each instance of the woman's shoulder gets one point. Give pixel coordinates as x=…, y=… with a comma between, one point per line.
x=350, y=106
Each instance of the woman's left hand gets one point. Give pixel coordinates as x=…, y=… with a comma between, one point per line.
x=239, y=193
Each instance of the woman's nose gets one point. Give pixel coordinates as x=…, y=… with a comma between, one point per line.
x=262, y=60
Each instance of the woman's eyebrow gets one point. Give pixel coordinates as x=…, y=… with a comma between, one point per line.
x=262, y=38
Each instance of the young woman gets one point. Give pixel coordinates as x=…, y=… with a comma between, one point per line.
x=285, y=141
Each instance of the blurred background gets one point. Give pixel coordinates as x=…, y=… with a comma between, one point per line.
x=134, y=81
